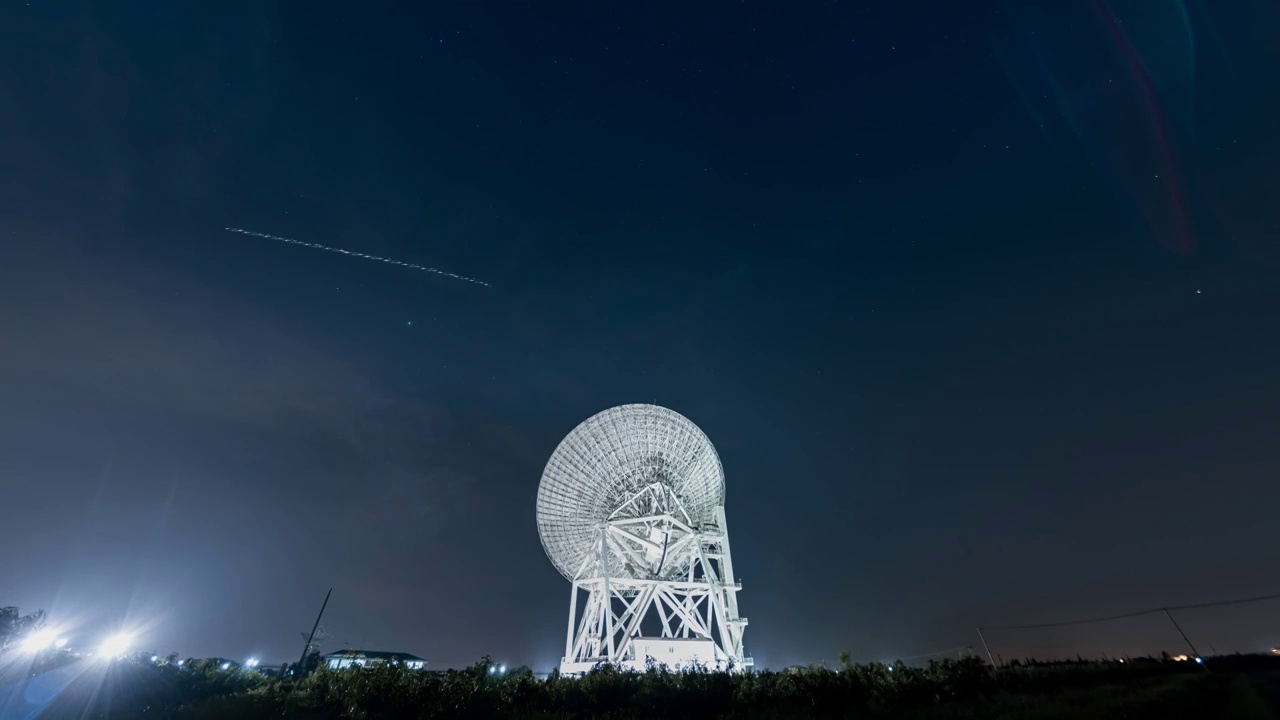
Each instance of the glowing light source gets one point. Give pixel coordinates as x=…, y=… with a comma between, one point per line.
x=226, y=665
x=116, y=645
x=251, y=663
x=38, y=640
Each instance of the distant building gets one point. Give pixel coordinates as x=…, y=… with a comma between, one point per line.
x=370, y=658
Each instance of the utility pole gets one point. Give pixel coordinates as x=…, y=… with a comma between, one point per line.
x=302, y=661
x=984, y=647
x=1195, y=654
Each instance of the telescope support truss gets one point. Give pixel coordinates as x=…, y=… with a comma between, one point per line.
x=650, y=563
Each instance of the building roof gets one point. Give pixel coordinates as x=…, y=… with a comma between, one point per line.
x=373, y=655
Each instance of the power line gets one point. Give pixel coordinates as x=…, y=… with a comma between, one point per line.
x=1166, y=610
x=1260, y=598
x=1071, y=622
x=1121, y=616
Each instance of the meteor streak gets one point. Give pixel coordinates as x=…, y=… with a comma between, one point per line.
x=390, y=261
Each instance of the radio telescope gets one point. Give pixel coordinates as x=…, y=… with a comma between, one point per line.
x=631, y=511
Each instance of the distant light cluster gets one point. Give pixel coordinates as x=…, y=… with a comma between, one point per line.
x=366, y=256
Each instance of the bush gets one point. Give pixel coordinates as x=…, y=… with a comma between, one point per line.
x=943, y=689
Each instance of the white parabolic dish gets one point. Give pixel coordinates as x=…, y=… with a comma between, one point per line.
x=608, y=458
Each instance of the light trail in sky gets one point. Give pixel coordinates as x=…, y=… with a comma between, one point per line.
x=353, y=253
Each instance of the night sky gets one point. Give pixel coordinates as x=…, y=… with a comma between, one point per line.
x=977, y=302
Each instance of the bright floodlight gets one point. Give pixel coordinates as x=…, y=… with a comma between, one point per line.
x=631, y=511
x=116, y=645
x=251, y=663
x=38, y=640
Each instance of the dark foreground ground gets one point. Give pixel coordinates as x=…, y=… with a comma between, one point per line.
x=1267, y=683
x=1245, y=688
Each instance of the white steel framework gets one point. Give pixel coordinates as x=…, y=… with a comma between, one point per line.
x=631, y=511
